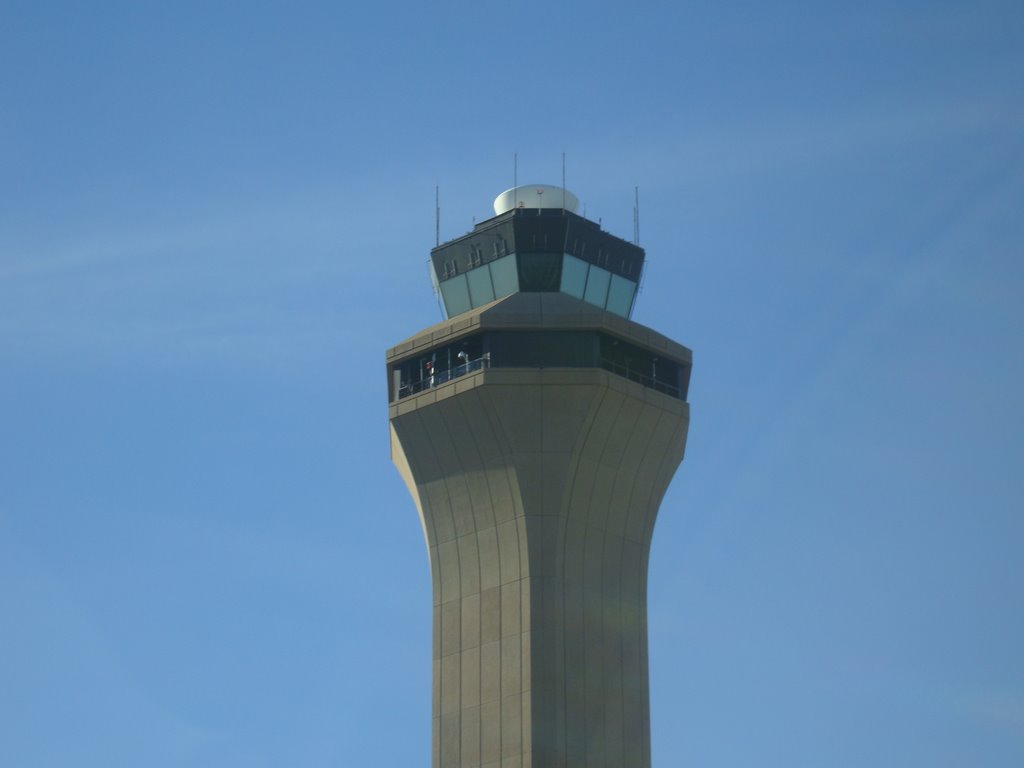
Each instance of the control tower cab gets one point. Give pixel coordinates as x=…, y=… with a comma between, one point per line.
x=536, y=242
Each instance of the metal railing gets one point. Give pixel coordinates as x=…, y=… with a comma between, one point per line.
x=442, y=377
x=438, y=378
x=640, y=378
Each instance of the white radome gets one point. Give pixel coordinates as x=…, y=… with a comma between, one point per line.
x=535, y=196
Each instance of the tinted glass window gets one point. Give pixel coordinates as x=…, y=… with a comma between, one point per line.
x=539, y=271
x=574, y=276
x=543, y=349
x=455, y=293
x=597, y=286
x=504, y=276
x=480, y=289
x=620, y=295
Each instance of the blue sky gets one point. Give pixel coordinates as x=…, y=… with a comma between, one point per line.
x=214, y=218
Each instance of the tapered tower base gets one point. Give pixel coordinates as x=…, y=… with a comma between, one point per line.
x=538, y=488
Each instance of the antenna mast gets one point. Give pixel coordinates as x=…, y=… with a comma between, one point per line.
x=636, y=215
x=515, y=180
x=563, y=183
x=437, y=216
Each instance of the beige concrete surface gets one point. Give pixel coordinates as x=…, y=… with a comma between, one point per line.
x=537, y=491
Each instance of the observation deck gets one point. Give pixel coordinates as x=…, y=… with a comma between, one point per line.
x=535, y=331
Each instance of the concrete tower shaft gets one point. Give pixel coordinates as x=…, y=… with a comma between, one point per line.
x=538, y=463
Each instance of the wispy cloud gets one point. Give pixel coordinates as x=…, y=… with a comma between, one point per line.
x=56, y=649
x=263, y=278
x=999, y=708
x=720, y=154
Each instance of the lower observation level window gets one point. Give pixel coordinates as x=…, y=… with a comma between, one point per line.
x=541, y=349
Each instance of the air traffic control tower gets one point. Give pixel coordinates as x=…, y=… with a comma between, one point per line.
x=537, y=429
